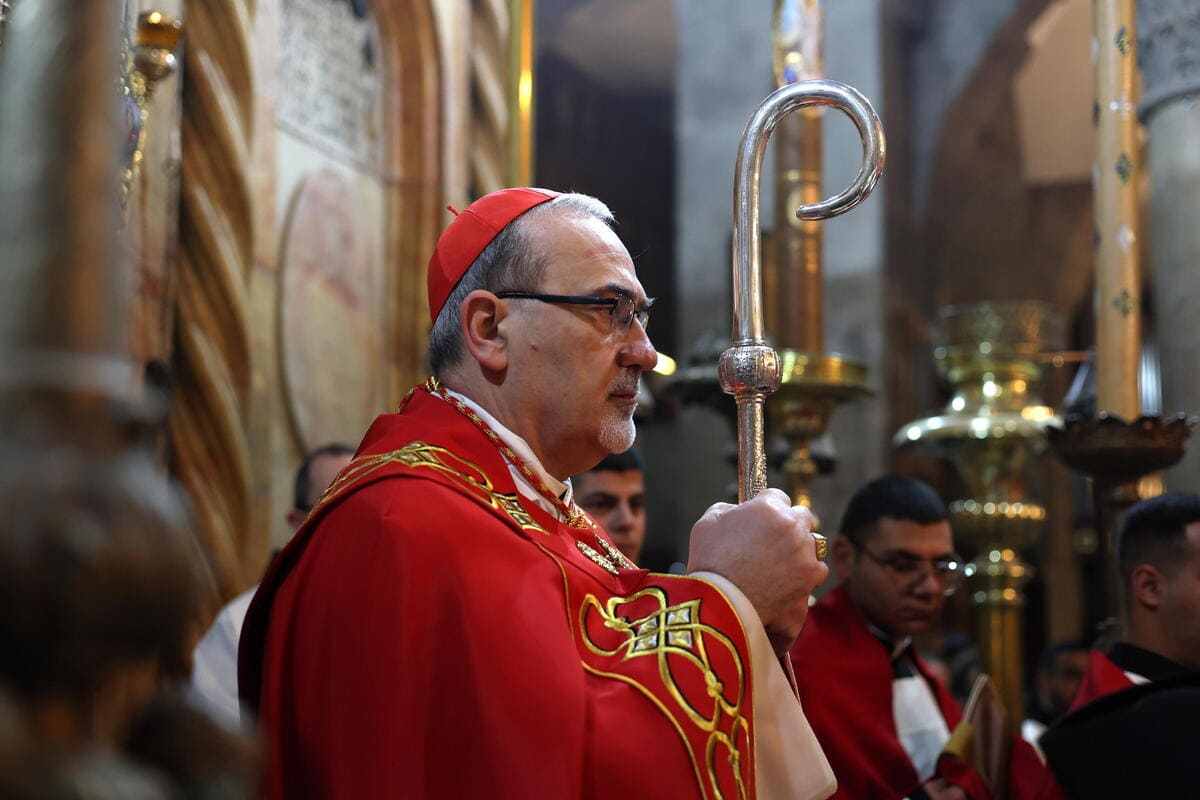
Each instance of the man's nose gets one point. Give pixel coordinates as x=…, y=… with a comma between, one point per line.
x=927, y=585
x=621, y=517
x=637, y=350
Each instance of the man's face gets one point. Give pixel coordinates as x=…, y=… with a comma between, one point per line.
x=617, y=501
x=891, y=578
x=1062, y=684
x=1181, y=603
x=573, y=376
x=321, y=473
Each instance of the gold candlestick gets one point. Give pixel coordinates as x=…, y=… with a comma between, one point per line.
x=993, y=431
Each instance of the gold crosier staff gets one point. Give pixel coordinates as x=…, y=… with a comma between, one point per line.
x=749, y=370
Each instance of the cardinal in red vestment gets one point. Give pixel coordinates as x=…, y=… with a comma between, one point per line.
x=449, y=624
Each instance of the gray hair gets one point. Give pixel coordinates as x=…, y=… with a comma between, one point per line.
x=509, y=263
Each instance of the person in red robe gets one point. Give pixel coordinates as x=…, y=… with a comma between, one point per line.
x=1136, y=742
x=449, y=624
x=881, y=716
x=1118, y=709
x=1158, y=553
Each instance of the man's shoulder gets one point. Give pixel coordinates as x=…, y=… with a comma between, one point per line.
x=835, y=641
x=407, y=502
x=405, y=470
x=828, y=616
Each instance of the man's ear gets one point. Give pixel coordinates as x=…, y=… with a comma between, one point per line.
x=1148, y=586
x=842, y=557
x=480, y=318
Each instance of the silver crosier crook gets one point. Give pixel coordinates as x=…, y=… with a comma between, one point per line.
x=750, y=370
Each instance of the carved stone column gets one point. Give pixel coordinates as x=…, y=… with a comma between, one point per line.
x=1169, y=42
x=97, y=580
x=490, y=63
x=211, y=370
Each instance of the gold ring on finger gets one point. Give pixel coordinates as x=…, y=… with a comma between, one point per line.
x=822, y=545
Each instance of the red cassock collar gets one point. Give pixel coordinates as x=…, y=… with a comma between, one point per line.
x=1102, y=677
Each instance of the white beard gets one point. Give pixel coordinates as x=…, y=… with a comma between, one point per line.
x=617, y=432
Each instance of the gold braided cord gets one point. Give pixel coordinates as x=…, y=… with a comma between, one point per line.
x=490, y=66
x=212, y=353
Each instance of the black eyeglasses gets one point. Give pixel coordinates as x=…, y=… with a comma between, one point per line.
x=947, y=570
x=622, y=308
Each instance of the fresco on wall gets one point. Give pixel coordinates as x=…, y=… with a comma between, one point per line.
x=330, y=160
x=331, y=308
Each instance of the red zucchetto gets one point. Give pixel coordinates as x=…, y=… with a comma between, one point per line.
x=471, y=231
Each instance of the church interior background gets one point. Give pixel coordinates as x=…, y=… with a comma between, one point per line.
x=288, y=173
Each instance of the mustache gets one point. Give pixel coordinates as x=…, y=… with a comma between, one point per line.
x=628, y=383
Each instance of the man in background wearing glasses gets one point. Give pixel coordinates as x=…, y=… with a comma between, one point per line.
x=880, y=715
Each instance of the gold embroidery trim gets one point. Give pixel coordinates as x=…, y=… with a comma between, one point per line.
x=419, y=455
x=615, y=556
x=678, y=630
x=590, y=552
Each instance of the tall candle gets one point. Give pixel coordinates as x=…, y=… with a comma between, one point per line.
x=1114, y=185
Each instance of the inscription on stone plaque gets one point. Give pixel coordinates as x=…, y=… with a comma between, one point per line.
x=331, y=79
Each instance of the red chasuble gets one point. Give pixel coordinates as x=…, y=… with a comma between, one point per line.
x=1101, y=678
x=845, y=680
x=429, y=633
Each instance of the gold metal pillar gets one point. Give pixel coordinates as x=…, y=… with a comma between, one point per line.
x=1116, y=173
x=813, y=383
x=993, y=431
x=521, y=93
x=1116, y=454
x=796, y=315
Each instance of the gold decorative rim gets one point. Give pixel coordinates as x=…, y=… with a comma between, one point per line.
x=798, y=366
